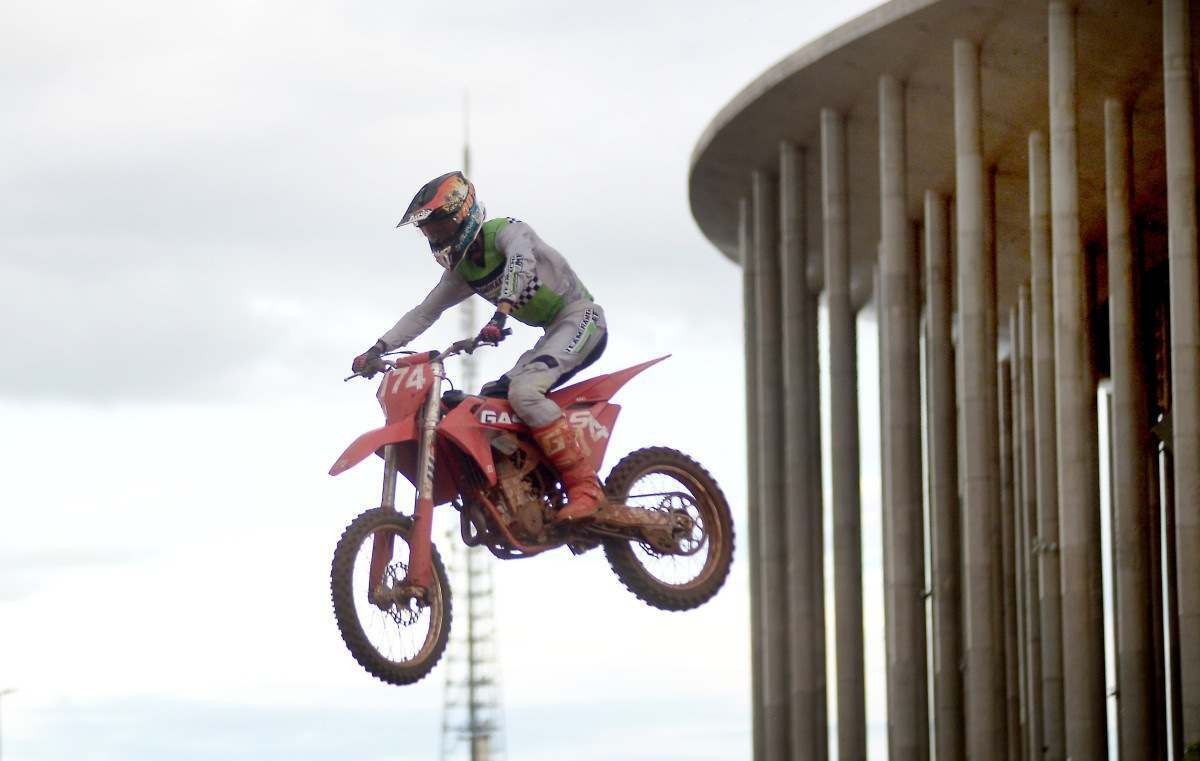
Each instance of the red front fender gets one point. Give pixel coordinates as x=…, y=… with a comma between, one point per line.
x=372, y=441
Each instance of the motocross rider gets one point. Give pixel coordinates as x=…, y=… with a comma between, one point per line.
x=504, y=261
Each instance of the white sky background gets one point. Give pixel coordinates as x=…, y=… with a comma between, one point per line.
x=196, y=213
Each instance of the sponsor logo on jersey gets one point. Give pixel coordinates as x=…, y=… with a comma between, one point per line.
x=511, y=270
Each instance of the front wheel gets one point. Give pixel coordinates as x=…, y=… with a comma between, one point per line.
x=397, y=638
x=664, y=480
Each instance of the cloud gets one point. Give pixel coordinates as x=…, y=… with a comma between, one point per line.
x=196, y=234
x=152, y=727
x=22, y=572
x=170, y=332
x=174, y=168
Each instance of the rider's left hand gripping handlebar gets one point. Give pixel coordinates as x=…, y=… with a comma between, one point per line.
x=468, y=345
x=477, y=342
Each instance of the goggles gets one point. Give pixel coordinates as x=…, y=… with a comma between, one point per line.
x=440, y=231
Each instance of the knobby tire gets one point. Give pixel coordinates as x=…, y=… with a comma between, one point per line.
x=718, y=525
x=345, y=607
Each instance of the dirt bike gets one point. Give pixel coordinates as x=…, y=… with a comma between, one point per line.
x=665, y=526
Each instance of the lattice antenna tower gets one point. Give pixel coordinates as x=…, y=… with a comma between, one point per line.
x=472, y=715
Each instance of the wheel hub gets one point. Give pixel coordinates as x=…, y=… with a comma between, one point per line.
x=404, y=602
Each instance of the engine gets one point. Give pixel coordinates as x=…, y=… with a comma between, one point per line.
x=522, y=488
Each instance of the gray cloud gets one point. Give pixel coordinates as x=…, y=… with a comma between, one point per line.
x=152, y=728
x=165, y=333
x=169, y=727
x=197, y=205
x=23, y=571
x=173, y=171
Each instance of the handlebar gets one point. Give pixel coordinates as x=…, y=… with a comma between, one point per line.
x=467, y=346
x=463, y=346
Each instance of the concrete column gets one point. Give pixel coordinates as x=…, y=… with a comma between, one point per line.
x=977, y=422
x=1163, y=739
x=943, y=483
x=1008, y=588
x=1171, y=615
x=901, y=412
x=843, y=407
x=799, y=509
x=1018, y=739
x=887, y=547
x=1185, y=348
x=1078, y=455
x=1029, y=521
x=1131, y=449
x=750, y=322
x=816, y=282
x=992, y=320
x=817, y=499
x=925, y=562
x=772, y=530
x=1046, y=446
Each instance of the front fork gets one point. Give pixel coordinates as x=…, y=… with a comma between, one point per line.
x=420, y=560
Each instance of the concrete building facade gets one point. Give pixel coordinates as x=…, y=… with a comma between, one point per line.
x=1011, y=184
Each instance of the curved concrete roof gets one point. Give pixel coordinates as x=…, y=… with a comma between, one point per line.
x=1118, y=54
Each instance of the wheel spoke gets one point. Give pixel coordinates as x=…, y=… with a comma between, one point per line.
x=400, y=632
x=687, y=560
x=670, y=492
x=400, y=639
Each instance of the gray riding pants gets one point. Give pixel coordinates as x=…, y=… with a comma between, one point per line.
x=567, y=345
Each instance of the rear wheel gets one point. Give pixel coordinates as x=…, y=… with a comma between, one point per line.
x=395, y=637
x=693, y=570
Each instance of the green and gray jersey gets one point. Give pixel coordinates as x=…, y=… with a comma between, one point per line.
x=515, y=265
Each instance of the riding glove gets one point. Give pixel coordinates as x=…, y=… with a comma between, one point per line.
x=368, y=363
x=493, y=332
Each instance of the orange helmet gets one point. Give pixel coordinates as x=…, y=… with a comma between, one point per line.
x=447, y=212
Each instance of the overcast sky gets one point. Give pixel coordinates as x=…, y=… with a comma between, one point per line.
x=196, y=236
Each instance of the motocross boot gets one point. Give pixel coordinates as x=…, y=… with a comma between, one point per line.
x=560, y=443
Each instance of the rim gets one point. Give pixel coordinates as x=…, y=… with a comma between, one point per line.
x=665, y=488
x=401, y=634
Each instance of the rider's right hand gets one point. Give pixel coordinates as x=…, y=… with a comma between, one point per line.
x=369, y=362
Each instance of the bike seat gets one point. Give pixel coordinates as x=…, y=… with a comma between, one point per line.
x=497, y=389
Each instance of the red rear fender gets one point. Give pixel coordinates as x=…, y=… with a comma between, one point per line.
x=372, y=441
x=601, y=388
